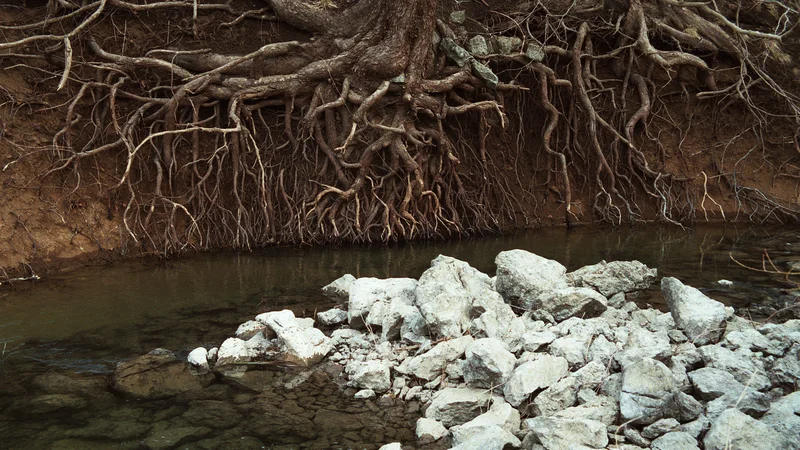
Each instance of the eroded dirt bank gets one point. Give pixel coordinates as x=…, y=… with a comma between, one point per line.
x=118, y=140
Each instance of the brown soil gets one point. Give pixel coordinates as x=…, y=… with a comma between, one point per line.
x=56, y=221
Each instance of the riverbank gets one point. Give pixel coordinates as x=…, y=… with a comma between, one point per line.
x=536, y=357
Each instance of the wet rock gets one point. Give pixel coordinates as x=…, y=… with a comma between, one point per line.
x=282, y=427
x=558, y=434
x=429, y=430
x=612, y=278
x=170, y=437
x=198, y=358
x=430, y=364
x=445, y=294
x=647, y=392
x=339, y=289
x=48, y=404
x=784, y=417
x=569, y=302
x=57, y=383
x=523, y=276
x=701, y=318
x=456, y=406
x=745, y=368
x=676, y=440
x=370, y=375
x=531, y=376
x=734, y=430
x=249, y=329
x=212, y=414
x=108, y=428
x=366, y=292
x=488, y=363
x=334, y=316
x=557, y=397
x=157, y=374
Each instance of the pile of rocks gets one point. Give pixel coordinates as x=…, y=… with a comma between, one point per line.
x=539, y=358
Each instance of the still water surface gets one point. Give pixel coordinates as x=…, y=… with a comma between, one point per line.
x=81, y=324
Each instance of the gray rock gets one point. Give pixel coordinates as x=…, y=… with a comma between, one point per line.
x=430, y=364
x=370, y=375
x=557, y=397
x=562, y=304
x=571, y=348
x=536, y=340
x=501, y=414
x=734, y=430
x=364, y=394
x=786, y=370
x=750, y=402
x=446, y=292
x=538, y=374
x=676, y=440
x=429, y=430
x=633, y=435
x=477, y=45
x=458, y=17
x=784, y=417
x=660, y=427
x=744, y=367
x=701, y=318
x=712, y=383
x=333, y=316
x=523, y=276
x=602, y=409
x=339, y=289
x=647, y=392
x=644, y=344
x=366, y=292
x=489, y=438
x=506, y=45
x=535, y=52
x=750, y=339
x=602, y=350
x=488, y=363
x=688, y=407
x=696, y=427
x=563, y=434
x=456, y=406
x=612, y=386
x=249, y=329
x=614, y=277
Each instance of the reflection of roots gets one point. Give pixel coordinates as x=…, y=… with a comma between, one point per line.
x=350, y=136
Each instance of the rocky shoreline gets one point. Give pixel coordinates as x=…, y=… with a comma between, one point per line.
x=536, y=358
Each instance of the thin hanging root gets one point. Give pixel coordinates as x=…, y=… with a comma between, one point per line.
x=706, y=195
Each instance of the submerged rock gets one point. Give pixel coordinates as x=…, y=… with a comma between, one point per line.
x=158, y=374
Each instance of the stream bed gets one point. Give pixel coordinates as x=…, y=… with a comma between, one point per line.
x=60, y=339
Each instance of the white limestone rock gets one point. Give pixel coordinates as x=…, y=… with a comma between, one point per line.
x=488, y=363
x=523, y=276
x=701, y=318
x=430, y=364
x=233, y=350
x=735, y=430
x=456, y=406
x=249, y=329
x=366, y=292
x=198, y=358
x=304, y=346
x=339, y=289
x=331, y=317
x=563, y=434
x=611, y=278
x=561, y=304
x=370, y=375
x=490, y=438
x=278, y=320
x=647, y=392
x=429, y=430
x=557, y=397
x=531, y=376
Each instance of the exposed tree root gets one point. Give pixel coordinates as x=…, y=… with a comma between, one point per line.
x=359, y=129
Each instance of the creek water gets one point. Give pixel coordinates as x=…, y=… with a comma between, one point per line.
x=81, y=324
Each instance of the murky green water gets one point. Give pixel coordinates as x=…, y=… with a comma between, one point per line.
x=82, y=324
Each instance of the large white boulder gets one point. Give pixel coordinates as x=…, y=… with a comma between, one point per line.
x=488, y=363
x=198, y=357
x=233, y=350
x=610, y=278
x=445, y=294
x=429, y=430
x=647, y=392
x=531, y=376
x=365, y=293
x=523, y=276
x=333, y=316
x=456, y=406
x=701, y=318
x=430, y=364
x=339, y=289
x=563, y=434
x=561, y=304
x=304, y=346
x=735, y=430
x=501, y=415
x=372, y=375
